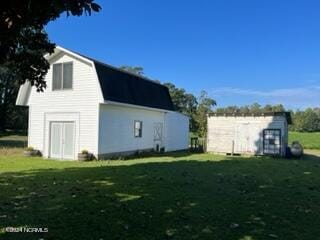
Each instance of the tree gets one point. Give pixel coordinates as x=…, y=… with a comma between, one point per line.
x=278, y=108
x=255, y=108
x=133, y=69
x=306, y=121
x=184, y=102
x=196, y=108
x=10, y=116
x=23, y=40
x=204, y=108
x=267, y=108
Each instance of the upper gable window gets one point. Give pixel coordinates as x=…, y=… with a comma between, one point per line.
x=62, y=76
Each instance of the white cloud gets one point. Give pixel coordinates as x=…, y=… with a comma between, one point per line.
x=290, y=97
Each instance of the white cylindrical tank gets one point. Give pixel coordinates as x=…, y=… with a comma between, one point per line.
x=296, y=149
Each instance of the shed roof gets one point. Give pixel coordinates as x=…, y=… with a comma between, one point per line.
x=287, y=115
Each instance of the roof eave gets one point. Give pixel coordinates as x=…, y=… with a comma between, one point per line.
x=59, y=49
x=287, y=115
x=135, y=106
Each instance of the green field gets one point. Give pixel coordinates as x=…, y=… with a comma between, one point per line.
x=171, y=196
x=308, y=140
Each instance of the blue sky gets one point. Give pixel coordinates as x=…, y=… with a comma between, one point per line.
x=240, y=52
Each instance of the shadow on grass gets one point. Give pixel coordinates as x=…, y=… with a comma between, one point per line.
x=250, y=199
x=175, y=154
x=13, y=132
x=13, y=140
x=12, y=143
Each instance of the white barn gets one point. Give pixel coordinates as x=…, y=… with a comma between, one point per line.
x=94, y=106
x=253, y=134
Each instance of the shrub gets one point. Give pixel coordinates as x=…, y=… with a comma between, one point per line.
x=30, y=149
x=84, y=151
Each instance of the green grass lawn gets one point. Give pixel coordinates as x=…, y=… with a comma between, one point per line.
x=178, y=196
x=308, y=140
x=175, y=196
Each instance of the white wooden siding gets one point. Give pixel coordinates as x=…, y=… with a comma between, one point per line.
x=117, y=129
x=82, y=103
x=242, y=134
x=176, y=131
x=116, y=133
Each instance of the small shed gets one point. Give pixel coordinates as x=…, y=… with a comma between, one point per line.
x=253, y=134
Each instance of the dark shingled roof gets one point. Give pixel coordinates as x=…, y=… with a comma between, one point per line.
x=120, y=86
x=124, y=87
x=287, y=115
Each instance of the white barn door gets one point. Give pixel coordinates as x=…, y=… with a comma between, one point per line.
x=241, y=138
x=246, y=138
x=157, y=135
x=62, y=140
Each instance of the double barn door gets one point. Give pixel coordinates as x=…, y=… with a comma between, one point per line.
x=62, y=140
x=246, y=138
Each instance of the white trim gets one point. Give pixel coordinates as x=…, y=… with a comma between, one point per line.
x=87, y=59
x=135, y=106
x=62, y=138
x=29, y=125
x=101, y=100
x=24, y=94
x=61, y=117
x=59, y=49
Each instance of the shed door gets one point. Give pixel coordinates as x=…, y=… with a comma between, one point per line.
x=56, y=140
x=157, y=134
x=62, y=140
x=246, y=138
x=68, y=140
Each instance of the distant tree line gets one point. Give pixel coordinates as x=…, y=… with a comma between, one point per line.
x=307, y=120
x=254, y=108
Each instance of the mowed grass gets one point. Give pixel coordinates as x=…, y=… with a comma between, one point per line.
x=308, y=140
x=174, y=196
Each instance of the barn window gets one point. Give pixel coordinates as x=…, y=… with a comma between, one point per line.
x=138, y=129
x=62, y=76
x=272, y=141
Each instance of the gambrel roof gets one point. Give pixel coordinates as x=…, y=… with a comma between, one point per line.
x=118, y=86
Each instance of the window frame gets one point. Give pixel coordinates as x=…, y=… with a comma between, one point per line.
x=62, y=77
x=137, y=129
x=266, y=146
